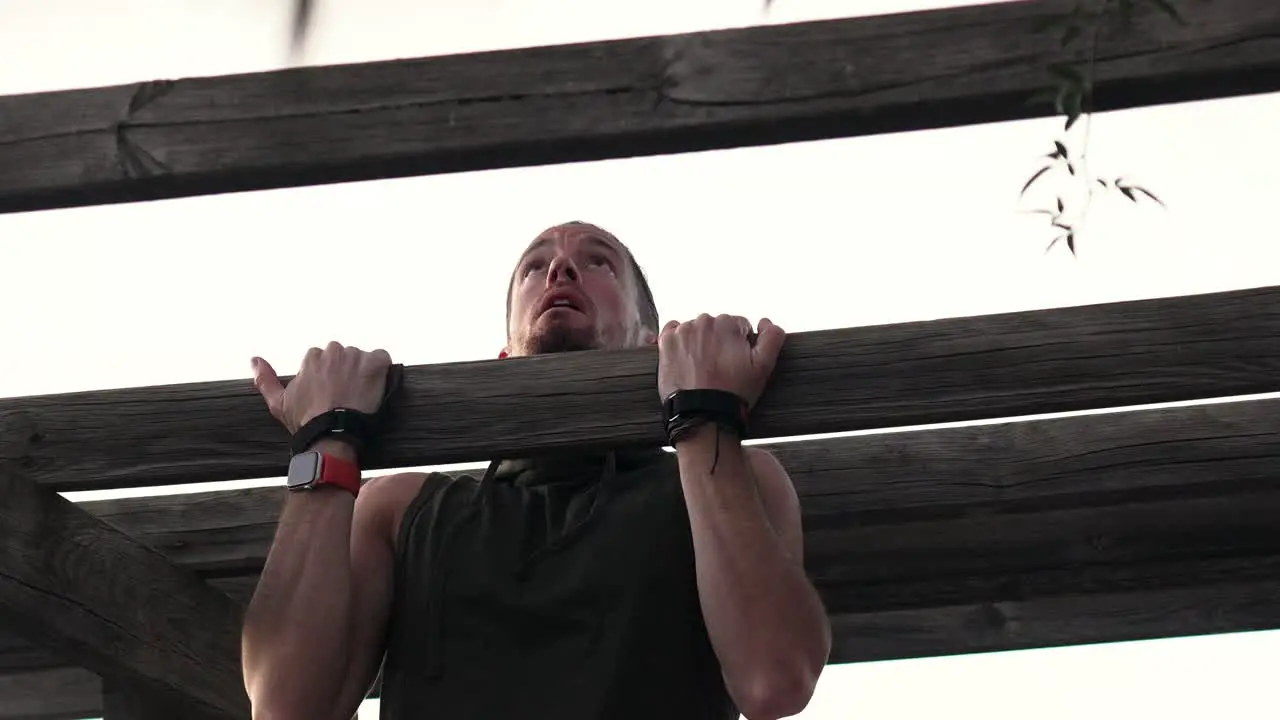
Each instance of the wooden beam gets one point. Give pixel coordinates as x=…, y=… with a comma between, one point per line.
x=976, y=488
x=1138, y=604
x=592, y=101
x=67, y=693
x=957, y=369
x=1220, y=606
x=73, y=583
x=933, y=518
x=123, y=701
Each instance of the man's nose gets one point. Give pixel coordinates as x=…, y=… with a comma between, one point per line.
x=562, y=270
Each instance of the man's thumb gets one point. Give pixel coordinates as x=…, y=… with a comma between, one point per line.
x=769, y=340
x=267, y=383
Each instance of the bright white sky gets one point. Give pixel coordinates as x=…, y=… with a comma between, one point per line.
x=819, y=235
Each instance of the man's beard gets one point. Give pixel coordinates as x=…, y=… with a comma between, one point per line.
x=561, y=338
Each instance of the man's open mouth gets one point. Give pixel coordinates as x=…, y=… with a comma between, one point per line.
x=561, y=302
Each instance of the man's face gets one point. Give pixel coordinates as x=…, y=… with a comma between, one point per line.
x=573, y=290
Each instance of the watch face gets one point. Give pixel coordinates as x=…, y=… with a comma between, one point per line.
x=303, y=470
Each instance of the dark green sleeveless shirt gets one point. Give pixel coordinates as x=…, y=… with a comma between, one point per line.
x=560, y=588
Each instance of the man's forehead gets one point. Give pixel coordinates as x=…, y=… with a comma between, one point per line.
x=580, y=230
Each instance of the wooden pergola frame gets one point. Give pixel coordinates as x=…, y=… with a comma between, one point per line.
x=1136, y=524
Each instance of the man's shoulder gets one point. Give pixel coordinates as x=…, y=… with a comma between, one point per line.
x=385, y=499
x=400, y=489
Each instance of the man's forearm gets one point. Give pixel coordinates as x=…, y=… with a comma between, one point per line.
x=765, y=619
x=298, y=625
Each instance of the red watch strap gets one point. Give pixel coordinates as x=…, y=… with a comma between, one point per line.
x=339, y=472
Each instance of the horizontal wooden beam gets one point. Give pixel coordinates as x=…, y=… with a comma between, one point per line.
x=1157, y=603
x=957, y=369
x=123, y=701
x=68, y=693
x=1220, y=605
x=592, y=101
x=71, y=582
x=977, y=488
x=943, y=518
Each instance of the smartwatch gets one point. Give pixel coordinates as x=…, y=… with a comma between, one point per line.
x=313, y=469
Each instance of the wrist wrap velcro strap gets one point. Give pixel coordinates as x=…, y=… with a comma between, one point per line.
x=359, y=429
x=687, y=409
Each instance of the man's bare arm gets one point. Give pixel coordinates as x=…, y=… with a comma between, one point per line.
x=765, y=619
x=313, y=633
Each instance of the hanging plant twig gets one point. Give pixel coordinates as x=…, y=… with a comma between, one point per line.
x=1078, y=33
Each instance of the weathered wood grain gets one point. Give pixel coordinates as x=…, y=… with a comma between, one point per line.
x=990, y=366
x=591, y=101
x=1137, y=603
x=978, y=486
x=1044, y=622
x=122, y=701
x=68, y=693
x=932, y=518
x=70, y=581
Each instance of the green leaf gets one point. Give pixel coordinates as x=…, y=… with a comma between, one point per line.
x=1059, y=204
x=1073, y=110
x=1060, y=148
x=1102, y=182
x=1170, y=9
x=1033, y=178
x=1149, y=194
x=1071, y=169
x=1071, y=243
x=1128, y=192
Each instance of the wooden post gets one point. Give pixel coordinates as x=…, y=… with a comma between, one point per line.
x=122, y=701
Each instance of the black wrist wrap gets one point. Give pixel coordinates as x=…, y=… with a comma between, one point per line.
x=359, y=429
x=688, y=409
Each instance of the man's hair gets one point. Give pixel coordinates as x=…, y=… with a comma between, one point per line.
x=644, y=294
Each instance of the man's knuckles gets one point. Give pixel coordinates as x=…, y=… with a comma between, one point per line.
x=337, y=354
x=705, y=323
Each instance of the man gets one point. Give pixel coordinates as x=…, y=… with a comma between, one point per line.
x=591, y=586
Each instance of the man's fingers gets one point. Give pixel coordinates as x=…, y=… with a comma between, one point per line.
x=267, y=383
x=769, y=340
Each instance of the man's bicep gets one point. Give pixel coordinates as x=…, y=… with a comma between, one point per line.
x=781, y=504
